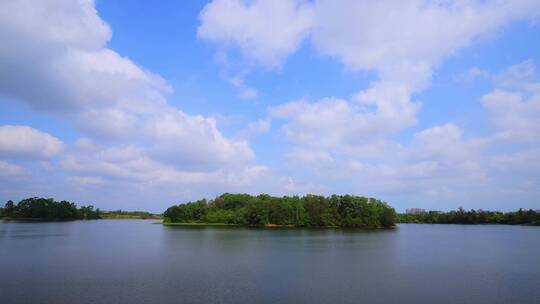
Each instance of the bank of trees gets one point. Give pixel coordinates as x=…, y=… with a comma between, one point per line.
x=461, y=216
x=122, y=214
x=48, y=209
x=306, y=211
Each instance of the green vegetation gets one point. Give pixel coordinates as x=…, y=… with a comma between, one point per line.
x=120, y=214
x=461, y=216
x=265, y=210
x=48, y=209
x=198, y=224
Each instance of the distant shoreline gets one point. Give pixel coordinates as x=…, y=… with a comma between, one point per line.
x=40, y=209
x=35, y=219
x=472, y=217
x=39, y=220
x=472, y=224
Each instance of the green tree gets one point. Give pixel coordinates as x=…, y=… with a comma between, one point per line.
x=306, y=211
x=9, y=209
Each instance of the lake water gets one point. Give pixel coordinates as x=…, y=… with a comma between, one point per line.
x=135, y=261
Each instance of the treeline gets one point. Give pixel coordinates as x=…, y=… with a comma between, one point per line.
x=266, y=210
x=121, y=214
x=461, y=216
x=48, y=209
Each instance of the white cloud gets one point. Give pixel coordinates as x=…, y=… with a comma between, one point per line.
x=255, y=128
x=402, y=41
x=521, y=172
x=472, y=74
x=518, y=76
x=515, y=76
x=294, y=187
x=143, y=149
x=127, y=172
x=11, y=171
x=438, y=164
x=404, y=51
x=520, y=163
x=27, y=142
x=139, y=148
x=311, y=156
x=266, y=31
x=58, y=48
x=514, y=105
x=343, y=126
x=514, y=115
x=193, y=141
x=441, y=142
x=56, y=23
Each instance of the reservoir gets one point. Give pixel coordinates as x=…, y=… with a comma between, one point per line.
x=136, y=261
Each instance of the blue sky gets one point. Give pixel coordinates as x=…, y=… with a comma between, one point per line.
x=138, y=105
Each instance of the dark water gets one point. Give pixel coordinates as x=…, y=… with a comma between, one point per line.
x=125, y=261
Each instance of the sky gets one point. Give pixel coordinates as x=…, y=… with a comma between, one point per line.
x=138, y=105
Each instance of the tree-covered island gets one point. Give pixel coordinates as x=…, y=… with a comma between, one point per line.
x=48, y=209
x=288, y=211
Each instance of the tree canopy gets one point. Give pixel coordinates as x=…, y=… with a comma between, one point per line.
x=306, y=211
x=122, y=214
x=48, y=209
x=461, y=216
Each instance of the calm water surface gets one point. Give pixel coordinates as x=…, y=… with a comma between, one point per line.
x=130, y=261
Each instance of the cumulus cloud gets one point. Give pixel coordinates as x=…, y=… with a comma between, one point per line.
x=434, y=155
x=514, y=104
x=130, y=164
x=403, y=52
x=141, y=147
x=441, y=143
x=522, y=162
x=403, y=42
x=341, y=125
x=514, y=115
x=26, y=142
x=246, y=24
x=127, y=172
x=519, y=75
x=421, y=33
x=56, y=60
x=11, y=171
x=59, y=49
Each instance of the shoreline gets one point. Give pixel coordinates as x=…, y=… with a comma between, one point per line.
x=471, y=224
x=270, y=226
x=44, y=220
x=33, y=219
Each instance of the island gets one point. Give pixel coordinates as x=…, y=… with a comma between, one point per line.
x=346, y=211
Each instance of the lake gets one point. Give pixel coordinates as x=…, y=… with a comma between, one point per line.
x=135, y=261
